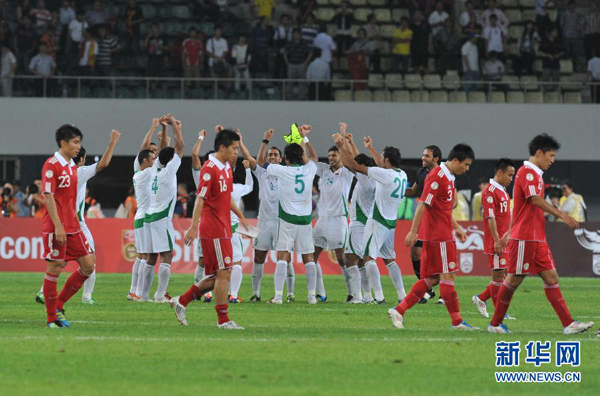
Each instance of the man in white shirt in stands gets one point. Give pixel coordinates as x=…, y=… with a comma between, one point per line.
x=492, y=10
x=325, y=43
x=8, y=67
x=594, y=76
x=319, y=70
x=217, y=49
x=470, y=60
x=437, y=18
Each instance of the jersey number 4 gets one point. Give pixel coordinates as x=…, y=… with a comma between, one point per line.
x=299, y=181
x=155, y=184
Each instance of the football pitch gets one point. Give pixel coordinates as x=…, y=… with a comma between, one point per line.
x=119, y=347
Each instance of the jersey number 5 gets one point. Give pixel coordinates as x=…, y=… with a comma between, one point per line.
x=300, y=190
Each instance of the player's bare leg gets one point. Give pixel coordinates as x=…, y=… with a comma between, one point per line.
x=352, y=260
x=320, y=289
x=236, y=282
x=260, y=256
x=396, y=276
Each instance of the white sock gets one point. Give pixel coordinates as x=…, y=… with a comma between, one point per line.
x=198, y=274
x=164, y=274
x=320, y=284
x=236, y=280
x=347, y=280
x=396, y=276
x=364, y=282
x=257, y=274
x=88, y=286
x=291, y=279
x=311, y=278
x=134, y=276
x=374, y=279
x=280, y=275
x=148, y=278
x=140, y=279
x=354, y=275
x=42, y=289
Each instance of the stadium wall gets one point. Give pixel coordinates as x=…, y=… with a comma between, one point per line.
x=576, y=253
x=494, y=130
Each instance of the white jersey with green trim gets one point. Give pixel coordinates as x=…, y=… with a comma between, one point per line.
x=268, y=194
x=361, y=203
x=239, y=191
x=84, y=173
x=335, y=189
x=163, y=190
x=142, y=182
x=295, y=191
x=390, y=185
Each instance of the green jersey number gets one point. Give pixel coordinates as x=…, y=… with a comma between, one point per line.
x=155, y=184
x=401, y=187
x=300, y=190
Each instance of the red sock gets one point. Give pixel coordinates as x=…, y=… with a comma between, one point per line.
x=485, y=295
x=494, y=288
x=503, y=301
x=190, y=295
x=448, y=293
x=72, y=286
x=554, y=295
x=416, y=293
x=222, y=313
x=50, y=295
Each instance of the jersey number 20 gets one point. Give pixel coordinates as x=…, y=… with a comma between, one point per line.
x=401, y=188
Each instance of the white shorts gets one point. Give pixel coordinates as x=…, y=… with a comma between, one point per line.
x=294, y=236
x=355, y=244
x=330, y=232
x=267, y=235
x=238, y=247
x=159, y=235
x=88, y=235
x=140, y=239
x=378, y=240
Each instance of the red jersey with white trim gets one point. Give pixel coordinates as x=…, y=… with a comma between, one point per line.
x=215, y=186
x=528, y=223
x=59, y=178
x=438, y=196
x=496, y=204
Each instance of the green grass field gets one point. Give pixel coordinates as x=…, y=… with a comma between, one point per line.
x=120, y=347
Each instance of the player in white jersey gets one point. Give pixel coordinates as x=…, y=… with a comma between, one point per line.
x=85, y=173
x=295, y=213
x=143, y=168
x=159, y=216
x=267, y=214
x=390, y=185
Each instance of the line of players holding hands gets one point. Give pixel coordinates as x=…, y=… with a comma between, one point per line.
x=515, y=244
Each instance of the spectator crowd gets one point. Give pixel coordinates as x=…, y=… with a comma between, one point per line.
x=245, y=39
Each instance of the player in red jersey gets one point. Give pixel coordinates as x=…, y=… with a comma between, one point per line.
x=212, y=209
x=529, y=251
x=433, y=224
x=63, y=238
x=496, y=230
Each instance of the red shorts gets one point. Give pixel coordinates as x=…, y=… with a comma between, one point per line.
x=438, y=258
x=76, y=247
x=217, y=254
x=496, y=262
x=527, y=257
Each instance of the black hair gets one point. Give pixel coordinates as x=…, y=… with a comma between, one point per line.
x=165, y=155
x=461, y=152
x=362, y=30
x=483, y=180
x=323, y=28
x=435, y=151
x=567, y=183
x=333, y=148
x=225, y=137
x=205, y=157
x=293, y=154
x=363, y=159
x=403, y=19
x=152, y=144
x=276, y=148
x=296, y=30
x=503, y=164
x=543, y=142
x=192, y=29
x=393, y=155
x=33, y=188
x=66, y=133
x=493, y=16
x=144, y=155
x=218, y=26
x=79, y=156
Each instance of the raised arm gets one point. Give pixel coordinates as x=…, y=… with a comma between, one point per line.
x=376, y=156
x=349, y=139
x=148, y=137
x=246, y=153
x=176, y=125
x=196, y=164
x=312, y=153
x=348, y=157
x=262, y=151
x=107, y=156
x=163, y=137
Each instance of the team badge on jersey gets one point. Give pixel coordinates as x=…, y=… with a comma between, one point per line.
x=452, y=265
x=227, y=260
x=49, y=174
x=206, y=177
x=503, y=261
x=490, y=200
x=434, y=185
x=529, y=176
x=526, y=266
x=55, y=253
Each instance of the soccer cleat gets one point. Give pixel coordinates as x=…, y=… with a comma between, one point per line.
x=356, y=301
x=231, y=325
x=441, y=301
x=290, y=298
x=60, y=316
x=397, y=319
x=507, y=316
x=54, y=325
x=321, y=298
x=140, y=299
x=207, y=297
x=349, y=298
x=89, y=301
x=423, y=301
x=382, y=302
x=502, y=329
x=367, y=300
x=465, y=326
x=481, y=306
x=274, y=301
x=167, y=296
x=162, y=300
x=577, y=327
x=237, y=300
x=132, y=297
x=254, y=298
x=39, y=298
x=180, y=311
x=312, y=300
